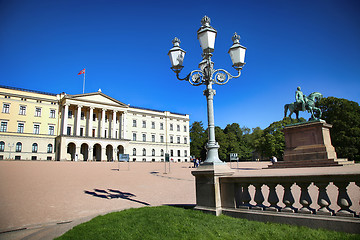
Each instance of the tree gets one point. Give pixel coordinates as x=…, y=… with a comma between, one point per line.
x=237, y=141
x=198, y=139
x=221, y=139
x=233, y=139
x=344, y=115
x=272, y=140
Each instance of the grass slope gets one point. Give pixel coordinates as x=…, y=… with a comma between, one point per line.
x=177, y=223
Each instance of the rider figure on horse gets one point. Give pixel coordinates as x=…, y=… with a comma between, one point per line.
x=300, y=99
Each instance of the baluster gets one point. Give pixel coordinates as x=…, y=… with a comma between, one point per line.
x=305, y=199
x=288, y=198
x=323, y=199
x=273, y=198
x=259, y=197
x=344, y=200
x=245, y=196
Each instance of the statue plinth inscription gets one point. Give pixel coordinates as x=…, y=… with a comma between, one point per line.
x=309, y=145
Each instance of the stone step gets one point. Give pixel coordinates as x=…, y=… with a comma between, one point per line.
x=345, y=161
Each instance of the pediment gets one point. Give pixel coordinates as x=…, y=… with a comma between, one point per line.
x=98, y=98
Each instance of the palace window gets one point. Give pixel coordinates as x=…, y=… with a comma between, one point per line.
x=144, y=152
x=134, y=123
x=171, y=127
x=178, y=139
x=34, y=148
x=185, y=140
x=178, y=128
x=153, y=138
x=49, y=148
x=144, y=124
x=37, y=112
x=153, y=125
x=68, y=132
x=36, y=128
x=153, y=152
x=94, y=116
x=22, y=110
x=161, y=126
x=171, y=139
x=185, y=153
x=70, y=113
x=20, y=128
x=134, y=151
x=162, y=152
x=3, y=127
x=178, y=153
x=2, y=146
x=51, y=130
x=81, y=132
x=52, y=113
x=6, y=108
x=134, y=136
x=185, y=128
x=162, y=139
x=82, y=115
x=144, y=137
x=18, y=147
x=171, y=153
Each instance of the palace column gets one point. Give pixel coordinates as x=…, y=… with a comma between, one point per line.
x=65, y=118
x=123, y=126
x=78, y=118
x=113, y=125
x=90, y=119
x=102, y=126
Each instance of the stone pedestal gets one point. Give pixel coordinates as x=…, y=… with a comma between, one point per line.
x=309, y=145
x=208, y=198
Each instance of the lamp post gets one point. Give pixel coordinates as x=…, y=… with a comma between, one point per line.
x=10, y=146
x=208, y=76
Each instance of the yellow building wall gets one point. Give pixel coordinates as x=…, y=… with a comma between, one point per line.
x=32, y=100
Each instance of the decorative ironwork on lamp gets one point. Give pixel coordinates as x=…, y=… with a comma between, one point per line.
x=208, y=76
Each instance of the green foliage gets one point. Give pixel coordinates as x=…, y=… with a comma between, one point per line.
x=272, y=141
x=198, y=138
x=176, y=223
x=233, y=139
x=344, y=115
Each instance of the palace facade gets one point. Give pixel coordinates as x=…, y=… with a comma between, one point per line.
x=87, y=127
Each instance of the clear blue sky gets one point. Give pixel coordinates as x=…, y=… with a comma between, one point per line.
x=124, y=44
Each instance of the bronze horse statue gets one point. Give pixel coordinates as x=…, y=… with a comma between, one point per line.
x=309, y=106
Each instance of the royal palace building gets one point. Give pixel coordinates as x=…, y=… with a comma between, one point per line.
x=87, y=127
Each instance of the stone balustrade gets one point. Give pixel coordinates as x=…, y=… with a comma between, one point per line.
x=235, y=193
x=329, y=198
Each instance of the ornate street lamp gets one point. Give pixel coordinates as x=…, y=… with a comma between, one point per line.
x=208, y=76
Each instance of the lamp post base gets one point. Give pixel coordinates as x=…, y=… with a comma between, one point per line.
x=212, y=156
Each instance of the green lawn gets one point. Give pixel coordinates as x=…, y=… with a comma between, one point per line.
x=177, y=223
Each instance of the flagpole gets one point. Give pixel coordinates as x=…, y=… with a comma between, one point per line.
x=84, y=82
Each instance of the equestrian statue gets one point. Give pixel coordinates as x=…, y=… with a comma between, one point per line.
x=304, y=103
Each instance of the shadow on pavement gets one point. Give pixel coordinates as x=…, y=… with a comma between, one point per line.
x=113, y=194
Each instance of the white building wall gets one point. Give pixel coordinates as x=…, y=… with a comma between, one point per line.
x=155, y=125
